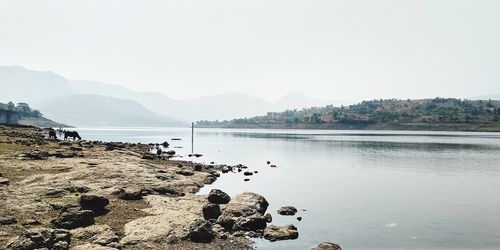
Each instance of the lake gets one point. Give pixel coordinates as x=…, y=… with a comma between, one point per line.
x=359, y=189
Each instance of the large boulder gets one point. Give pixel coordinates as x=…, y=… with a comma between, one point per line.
x=201, y=231
x=74, y=219
x=246, y=204
x=274, y=233
x=327, y=246
x=93, y=202
x=211, y=211
x=288, y=210
x=218, y=197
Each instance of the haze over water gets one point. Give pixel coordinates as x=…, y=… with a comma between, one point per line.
x=360, y=189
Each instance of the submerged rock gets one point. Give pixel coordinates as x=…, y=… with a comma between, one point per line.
x=288, y=210
x=218, y=197
x=201, y=231
x=327, y=246
x=274, y=233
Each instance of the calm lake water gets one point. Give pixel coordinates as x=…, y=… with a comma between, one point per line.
x=360, y=189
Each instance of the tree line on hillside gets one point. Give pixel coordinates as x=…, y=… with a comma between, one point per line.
x=22, y=108
x=437, y=110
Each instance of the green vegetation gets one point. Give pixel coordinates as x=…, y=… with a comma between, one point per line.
x=374, y=114
x=22, y=108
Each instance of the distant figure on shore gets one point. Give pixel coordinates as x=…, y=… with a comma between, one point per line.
x=73, y=134
x=52, y=134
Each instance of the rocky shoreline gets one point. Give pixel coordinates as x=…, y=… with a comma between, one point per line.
x=97, y=195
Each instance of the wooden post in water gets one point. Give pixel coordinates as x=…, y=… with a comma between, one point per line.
x=192, y=138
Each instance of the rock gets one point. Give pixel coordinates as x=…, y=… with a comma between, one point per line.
x=95, y=234
x=31, y=222
x=226, y=222
x=4, y=181
x=7, y=220
x=246, y=179
x=268, y=162
x=93, y=202
x=130, y=193
x=327, y=246
x=39, y=238
x=299, y=218
x=218, y=197
x=163, y=177
x=74, y=219
x=56, y=192
x=184, y=172
x=211, y=211
x=170, y=152
x=251, y=223
x=78, y=189
x=209, y=180
x=247, y=173
x=89, y=246
x=197, y=167
x=246, y=204
x=274, y=233
x=201, y=231
x=269, y=218
x=148, y=156
x=273, y=166
x=165, y=144
x=288, y=210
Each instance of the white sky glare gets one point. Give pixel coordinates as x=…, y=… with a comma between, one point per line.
x=334, y=50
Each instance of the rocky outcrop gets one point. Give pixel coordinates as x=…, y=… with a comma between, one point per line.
x=274, y=233
x=35, y=238
x=218, y=197
x=327, y=246
x=102, y=235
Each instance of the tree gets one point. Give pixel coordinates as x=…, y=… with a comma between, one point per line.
x=23, y=107
x=11, y=106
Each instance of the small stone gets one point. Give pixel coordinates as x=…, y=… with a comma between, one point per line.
x=246, y=179
x=247, y=173
x=8, y=220
x=4, y=181
x=299, y=218
x=269, y=218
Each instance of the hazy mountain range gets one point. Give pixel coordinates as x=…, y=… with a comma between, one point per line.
x=92, y=103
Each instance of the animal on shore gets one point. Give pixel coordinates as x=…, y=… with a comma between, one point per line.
x=73, y=134
x=52, y=134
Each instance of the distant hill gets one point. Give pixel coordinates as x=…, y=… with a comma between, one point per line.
x=95, y=110
x=62, y=101
x=22, y=85
x=426, y=114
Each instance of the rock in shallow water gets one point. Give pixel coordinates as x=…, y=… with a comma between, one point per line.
x=218, y=197
x=327, y=246
x=288, y=210
x=274, y=233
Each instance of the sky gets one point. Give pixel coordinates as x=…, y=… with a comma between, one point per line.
x=331, y=49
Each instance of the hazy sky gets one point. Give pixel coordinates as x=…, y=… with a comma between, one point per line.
x=334, y=50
